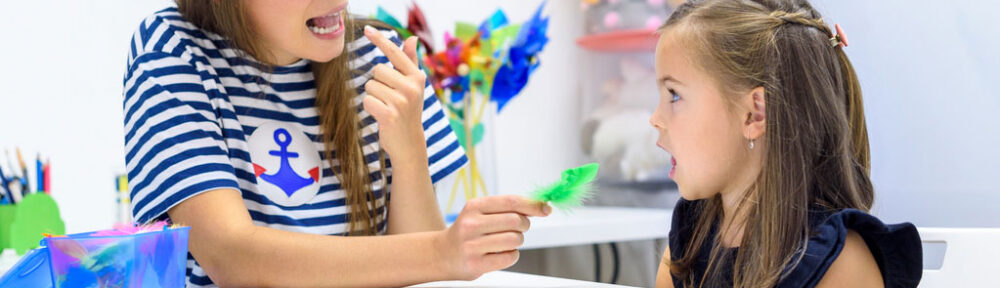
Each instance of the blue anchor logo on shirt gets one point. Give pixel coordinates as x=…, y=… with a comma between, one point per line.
x=286, y=178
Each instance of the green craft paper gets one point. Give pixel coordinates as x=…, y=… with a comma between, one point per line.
x=6, y=218
x=465, y=31
x=477, y=132
x=477, y=78
x=458, y=112
x=404, y=34
x=499, y=38
x=37, y=213
x=384, y=16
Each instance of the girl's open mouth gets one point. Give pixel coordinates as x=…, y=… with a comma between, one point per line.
x=673, y=167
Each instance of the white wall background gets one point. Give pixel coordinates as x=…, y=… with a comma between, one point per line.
x=61, y=95
x=926, y=67
x=929, y=71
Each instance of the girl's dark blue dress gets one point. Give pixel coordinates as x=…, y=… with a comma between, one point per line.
x=896, y=248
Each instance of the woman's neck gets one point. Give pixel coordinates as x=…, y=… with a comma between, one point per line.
x=284, y=60
x=277, y=57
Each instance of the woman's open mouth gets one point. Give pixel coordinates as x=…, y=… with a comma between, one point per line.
x=327, y=26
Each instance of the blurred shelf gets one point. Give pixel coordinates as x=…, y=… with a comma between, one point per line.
x=648, y=185
x=640, y=40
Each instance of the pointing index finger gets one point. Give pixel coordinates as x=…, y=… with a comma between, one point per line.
x=396, y=56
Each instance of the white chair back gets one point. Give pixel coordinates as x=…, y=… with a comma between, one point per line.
x=971, y=257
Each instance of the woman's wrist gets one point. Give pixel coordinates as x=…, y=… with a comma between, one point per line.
x=411, y=157
x=444, y=256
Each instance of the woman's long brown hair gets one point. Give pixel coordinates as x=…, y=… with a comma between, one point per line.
x=341, y=130
x=817, y=154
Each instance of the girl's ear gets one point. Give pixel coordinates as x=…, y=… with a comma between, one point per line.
x=756, y=118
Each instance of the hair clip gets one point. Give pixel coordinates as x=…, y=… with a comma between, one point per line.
x=840, y=38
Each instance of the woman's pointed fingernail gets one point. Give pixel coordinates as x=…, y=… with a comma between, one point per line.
x=369, y=28
x=547, y=209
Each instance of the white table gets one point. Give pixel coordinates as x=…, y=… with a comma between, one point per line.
x=511, y=279
x=7, y=260
x=589, y=225
x=585, y=225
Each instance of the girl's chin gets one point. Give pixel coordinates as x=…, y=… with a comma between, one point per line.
x=691, y=195
x=688, y=196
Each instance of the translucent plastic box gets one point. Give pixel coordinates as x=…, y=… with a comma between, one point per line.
x=149, y=259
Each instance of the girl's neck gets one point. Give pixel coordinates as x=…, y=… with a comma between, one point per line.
x=734, y=210
x=733, y=220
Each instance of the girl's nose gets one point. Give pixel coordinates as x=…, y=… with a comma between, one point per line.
x=653, y=122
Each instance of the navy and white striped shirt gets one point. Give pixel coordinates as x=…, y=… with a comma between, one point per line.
x=199, y=117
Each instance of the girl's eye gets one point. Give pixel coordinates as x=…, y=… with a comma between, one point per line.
x=673, y=96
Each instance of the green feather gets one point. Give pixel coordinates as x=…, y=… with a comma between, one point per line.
x=571, y=190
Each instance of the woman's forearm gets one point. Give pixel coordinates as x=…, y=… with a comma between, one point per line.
x=236, y=253
x=304, y=260
x=414, y=205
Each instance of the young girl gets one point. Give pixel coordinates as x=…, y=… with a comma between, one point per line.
x=762, y=112
x=272, y=130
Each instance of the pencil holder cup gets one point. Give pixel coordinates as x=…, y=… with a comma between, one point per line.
x=6, y=219
x=37, y=213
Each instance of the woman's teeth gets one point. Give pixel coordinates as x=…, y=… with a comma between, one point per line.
x=325, y=24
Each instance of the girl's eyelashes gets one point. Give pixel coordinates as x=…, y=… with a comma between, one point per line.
x=673, y=96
